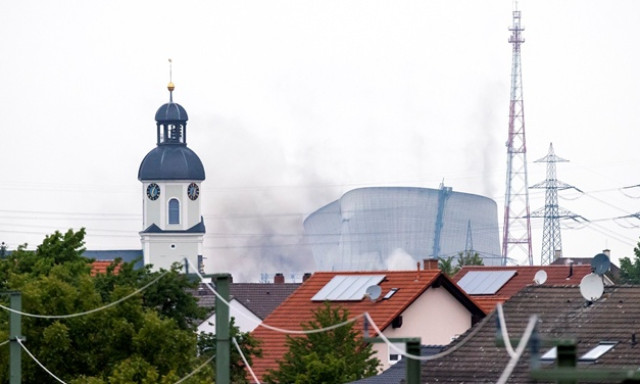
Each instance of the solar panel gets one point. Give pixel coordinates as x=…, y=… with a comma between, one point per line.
x=347, y=287
x=484, y=282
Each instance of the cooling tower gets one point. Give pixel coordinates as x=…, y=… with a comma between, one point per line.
x=368, y=227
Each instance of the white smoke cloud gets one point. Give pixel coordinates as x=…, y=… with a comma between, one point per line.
x=400, y=260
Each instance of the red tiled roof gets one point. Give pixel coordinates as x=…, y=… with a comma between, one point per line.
x=556, y=275
x=100, y=267
x=298, y=308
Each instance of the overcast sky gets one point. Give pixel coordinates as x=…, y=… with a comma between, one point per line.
x=293, y=103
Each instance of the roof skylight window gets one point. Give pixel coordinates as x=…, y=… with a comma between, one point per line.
x=550, y=354
x=390, y=293
x=596, y=352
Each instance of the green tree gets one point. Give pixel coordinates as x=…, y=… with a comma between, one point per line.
x=249, y=346
x=630, y=269
x=339, y=355
x=445, y=264
x=148, y=338
x=464, y=258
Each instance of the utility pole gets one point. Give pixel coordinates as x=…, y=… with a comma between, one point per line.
x=223, y=359
x=15, y=334
x=516, y=236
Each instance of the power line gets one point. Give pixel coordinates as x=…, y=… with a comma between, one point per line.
x=38, y=361
x=262, y=324
x=244, y=359
x=89, y=311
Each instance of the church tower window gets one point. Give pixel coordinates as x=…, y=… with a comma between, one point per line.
x=174, y=211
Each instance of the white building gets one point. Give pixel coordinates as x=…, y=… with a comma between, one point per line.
x=171, y=173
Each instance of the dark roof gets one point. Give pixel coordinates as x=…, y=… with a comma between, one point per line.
x=198, y=228
x=397, y=373
x=127, y=255
x=171, y=112
x=259, y=298
x=563, y=314
x=171, y=162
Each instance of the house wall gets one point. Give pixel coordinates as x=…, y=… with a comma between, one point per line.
x=436, y=317
x=245, y=320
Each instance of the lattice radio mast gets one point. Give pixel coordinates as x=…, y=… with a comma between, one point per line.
x=516, y=236
x=552, y=212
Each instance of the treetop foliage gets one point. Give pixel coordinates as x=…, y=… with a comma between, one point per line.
x=339, y=355
x=445, y=264
x=148, y=338
x=630, y=269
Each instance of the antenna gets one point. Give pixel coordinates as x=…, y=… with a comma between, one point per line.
x=373, y=292
x=591, y=287
x=540, y=277
x=600, y=264
x=516, y=235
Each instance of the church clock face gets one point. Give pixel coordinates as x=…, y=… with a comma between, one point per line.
x=153, y=191
x=193, y=191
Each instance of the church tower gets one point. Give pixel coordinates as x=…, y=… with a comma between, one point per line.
x=171, y=174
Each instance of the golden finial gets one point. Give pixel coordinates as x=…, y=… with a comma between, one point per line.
x=171, y=87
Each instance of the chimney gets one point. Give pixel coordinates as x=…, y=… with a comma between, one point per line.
x=607, y=252
x=306, y=276
x=430, y=264
x=278, y=278
x=557, y=254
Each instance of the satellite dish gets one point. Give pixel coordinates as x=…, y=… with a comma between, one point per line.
x=591, y=287
x=540, y=277
x=600, y=264
x=373, y=292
